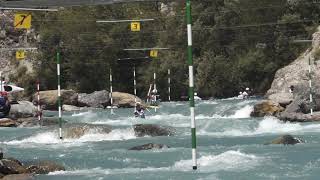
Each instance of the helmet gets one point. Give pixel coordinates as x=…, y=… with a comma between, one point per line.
x=247, y=89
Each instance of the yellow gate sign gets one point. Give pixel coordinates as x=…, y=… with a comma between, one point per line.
x=154, y=53
x=20, y=54
x=135, y=26
x=22, y=21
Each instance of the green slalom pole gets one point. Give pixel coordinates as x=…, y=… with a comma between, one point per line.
x=135, y=87
x=59, y=95
x=191, y=87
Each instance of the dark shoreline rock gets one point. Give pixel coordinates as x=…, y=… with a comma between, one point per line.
x=149, y=146
x=10, y=168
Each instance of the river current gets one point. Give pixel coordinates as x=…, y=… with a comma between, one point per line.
x=230, y=145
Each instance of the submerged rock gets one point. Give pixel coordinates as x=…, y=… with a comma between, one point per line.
x=18, y=177
x=78, y=130
x=286, y=140
x=149, y=146
x=141, y=130
x=43, y=167
x=266, y=108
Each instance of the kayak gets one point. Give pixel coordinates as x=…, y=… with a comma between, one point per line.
x=11, y=88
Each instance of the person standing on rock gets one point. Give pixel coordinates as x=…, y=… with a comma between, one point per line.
x=4, y=104
x=291, y=88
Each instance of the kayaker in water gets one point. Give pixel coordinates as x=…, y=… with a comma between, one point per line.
x=139, y=112
x=4, y=104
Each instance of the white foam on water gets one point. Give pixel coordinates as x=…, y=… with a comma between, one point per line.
x=117, y=122
x=227, y=161
x=101, y=171
x=209, y=102
x=243, y=112
x=239, y=114
x=91, y=136
x=269, y=125
x=41, y=138
x=87, y=113
x=273, y=125
x=167, y=116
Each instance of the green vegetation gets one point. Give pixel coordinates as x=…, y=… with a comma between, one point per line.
x=237, y=44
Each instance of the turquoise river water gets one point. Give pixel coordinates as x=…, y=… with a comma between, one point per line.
x=230, y=145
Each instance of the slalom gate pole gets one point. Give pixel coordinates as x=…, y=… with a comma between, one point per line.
x=111, y=98
x=1, y=83
x=310, y=88
x=155, y=87
x=39, y=107
x=59, y=95
x=191, y=86
x=135, y=87
x=169, y=86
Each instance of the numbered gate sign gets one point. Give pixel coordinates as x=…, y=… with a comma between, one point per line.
x=20, y=55
x=22, y=21
x=154, y=53
x=135, y=26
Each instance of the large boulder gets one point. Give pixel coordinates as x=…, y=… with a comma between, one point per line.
x=149, y=146
x=282, y=98
x=70, y=108
x=43, y=167
x=286, y=140
x=296, y=75
x=77, y=130
x=7, y=122
x=11, y=166
x=14, y=165
x=299, y=117
x=141, y=130
x=49, y=99
x=23, y=109
x=97, y=99
x=124, y=99
x=266, y=108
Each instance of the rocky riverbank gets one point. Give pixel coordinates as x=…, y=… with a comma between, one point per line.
x=295, y=106
x=24, y=113
x=74, y=100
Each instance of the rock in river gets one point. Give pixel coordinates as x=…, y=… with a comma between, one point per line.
x=141, y=130
x=286, y=140
x=149, y=146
